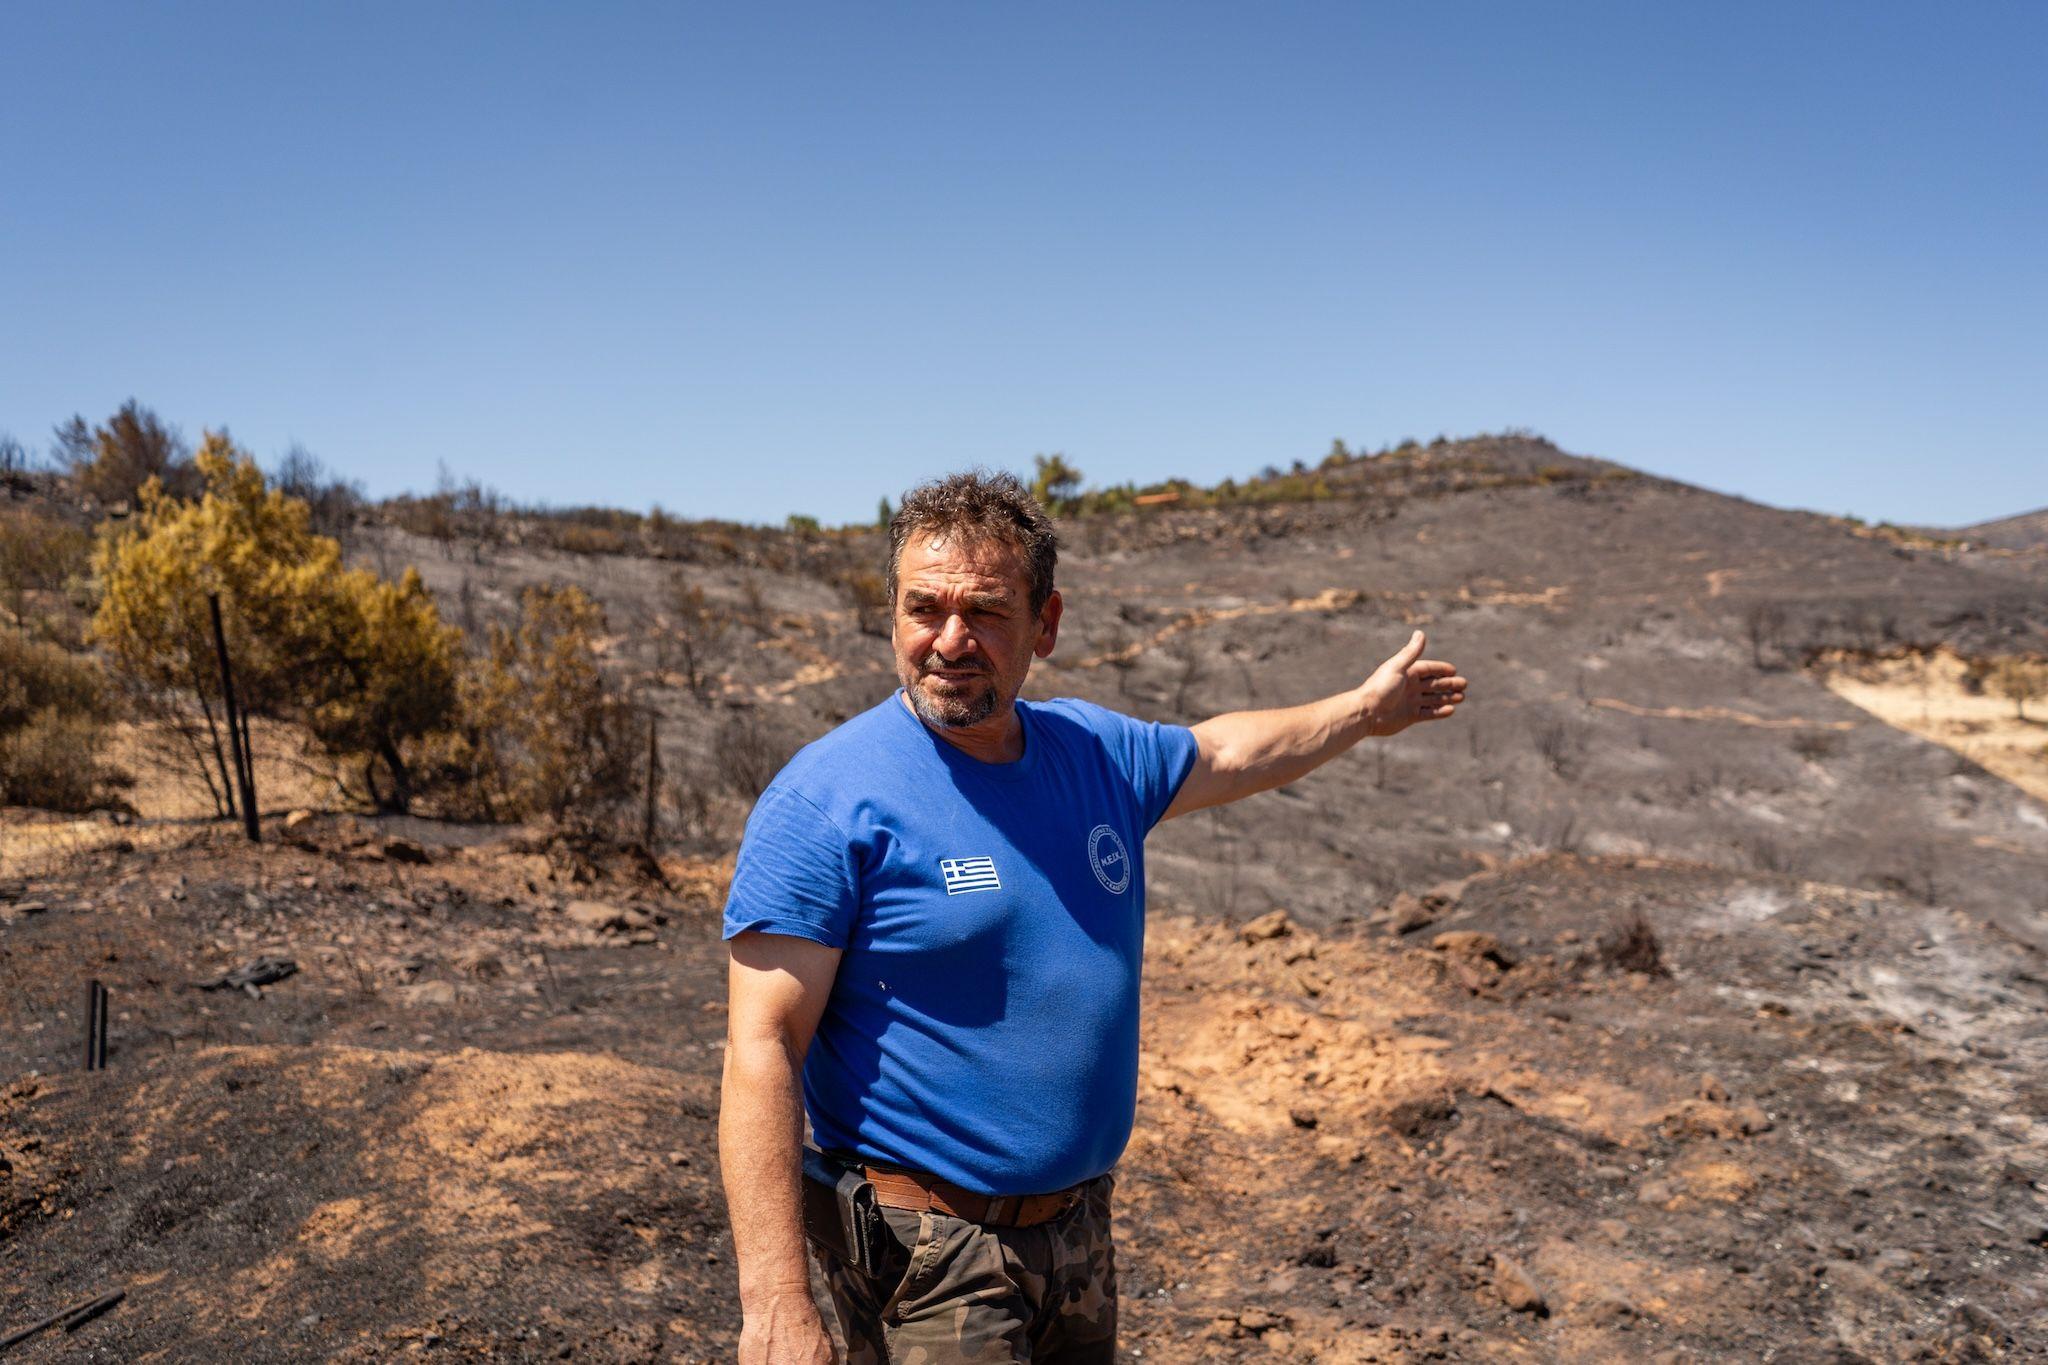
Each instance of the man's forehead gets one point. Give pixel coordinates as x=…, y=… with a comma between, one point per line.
x=982, y=563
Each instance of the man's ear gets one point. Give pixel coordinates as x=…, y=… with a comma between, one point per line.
x=1048, y=625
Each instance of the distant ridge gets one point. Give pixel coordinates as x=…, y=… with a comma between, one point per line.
x=2027, y=531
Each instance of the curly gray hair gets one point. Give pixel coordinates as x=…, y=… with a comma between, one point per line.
x=976, y=505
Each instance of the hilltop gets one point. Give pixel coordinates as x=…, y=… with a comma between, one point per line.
x=2027, y=531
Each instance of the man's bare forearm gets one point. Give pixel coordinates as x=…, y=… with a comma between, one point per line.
x=1253, y=751
x=1244, y=752
x=760, y=1130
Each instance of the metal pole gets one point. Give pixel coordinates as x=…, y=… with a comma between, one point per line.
x=653, y=779
x=95, y=1026
x=227, y=691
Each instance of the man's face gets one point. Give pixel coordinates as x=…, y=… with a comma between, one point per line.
x=964, y=630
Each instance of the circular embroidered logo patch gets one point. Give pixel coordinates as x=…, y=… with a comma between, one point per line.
x=1109, y=858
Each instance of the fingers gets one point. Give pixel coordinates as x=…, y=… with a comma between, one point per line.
x=1406, y=656
x=1438, y=712
x=1431, y=668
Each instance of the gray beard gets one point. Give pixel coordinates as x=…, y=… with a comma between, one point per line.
x=957, y=714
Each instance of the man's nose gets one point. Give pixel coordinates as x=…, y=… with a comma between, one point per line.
x=955, y=640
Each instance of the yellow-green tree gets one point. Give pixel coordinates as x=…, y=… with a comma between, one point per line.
x=367, y=665
x=389, y=675
x=1054, y=482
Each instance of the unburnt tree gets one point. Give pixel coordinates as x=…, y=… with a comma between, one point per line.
x=1054, y=481
x=364, y=663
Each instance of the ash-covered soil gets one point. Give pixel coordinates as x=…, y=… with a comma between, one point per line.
x=1663, y=1006
x=1809, y=1117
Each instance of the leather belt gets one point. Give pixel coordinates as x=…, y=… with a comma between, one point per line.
x=918, y=1192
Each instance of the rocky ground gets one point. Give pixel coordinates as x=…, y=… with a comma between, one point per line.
x=1565, y=1108
x=1665, y=1006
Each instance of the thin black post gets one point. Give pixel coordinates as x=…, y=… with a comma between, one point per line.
x=95, y=1026
x=248, y=751
x=653, y=780
x=227, y=692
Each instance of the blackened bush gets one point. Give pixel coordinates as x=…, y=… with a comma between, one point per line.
x=869, y=596
x=748, y=753
x=543, y=730
x=1633, y=947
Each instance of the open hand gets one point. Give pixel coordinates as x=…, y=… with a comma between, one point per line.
x=1408, y=688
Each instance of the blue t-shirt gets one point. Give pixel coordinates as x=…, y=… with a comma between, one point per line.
x=984, y=1022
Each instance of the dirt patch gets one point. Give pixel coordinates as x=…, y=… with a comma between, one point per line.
x=1927, y=695
x=346, y=1204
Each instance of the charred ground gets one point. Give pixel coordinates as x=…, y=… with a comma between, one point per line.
x=1663, y=1005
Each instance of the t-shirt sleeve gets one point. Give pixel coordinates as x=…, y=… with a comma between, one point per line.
x=1155, y=758
x=795, y=873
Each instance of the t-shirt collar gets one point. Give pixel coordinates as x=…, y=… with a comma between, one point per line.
x=961, y=762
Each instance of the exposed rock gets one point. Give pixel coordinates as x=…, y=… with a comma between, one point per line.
x=603, y=915
x=1272, y=924
x=1975, y=1333
x=400, y=850
x=1606, y=1310
x=251, y=976
x=1303, y=1117
x=481, y=964
x=1406, y=913
x=1706, y=1119
x=594, y=915
x=1712, y=1089
x=1471, y=943
x=428, y=994
x=295, y=819
x=1252, y=1322
x=1518, y=1289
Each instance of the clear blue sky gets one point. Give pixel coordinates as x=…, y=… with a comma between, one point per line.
x=744, y=260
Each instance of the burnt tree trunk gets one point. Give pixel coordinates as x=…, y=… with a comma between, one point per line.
x=401, y=777
x=220, y=757
x=227, y=693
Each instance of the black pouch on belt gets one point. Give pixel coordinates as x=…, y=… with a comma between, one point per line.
x=841, y=1213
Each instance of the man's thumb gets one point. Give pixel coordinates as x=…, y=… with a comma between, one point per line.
x=1411, y=651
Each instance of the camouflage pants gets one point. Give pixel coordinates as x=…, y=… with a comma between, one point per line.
x=952, y=1292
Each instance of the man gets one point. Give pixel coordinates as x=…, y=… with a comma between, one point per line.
x=936, y=921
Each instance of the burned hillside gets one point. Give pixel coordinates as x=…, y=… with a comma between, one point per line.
x=1679, y=1003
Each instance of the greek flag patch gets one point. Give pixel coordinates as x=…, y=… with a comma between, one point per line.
x=969, y=874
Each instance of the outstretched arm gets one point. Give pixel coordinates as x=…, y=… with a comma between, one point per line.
x=778, y=988
x=1252, y=751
